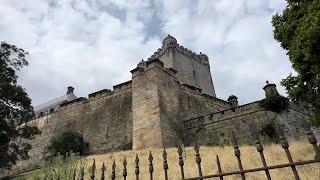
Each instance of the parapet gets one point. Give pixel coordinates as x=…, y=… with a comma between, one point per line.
x=170, y=44
x=122, y=86
x=99, y=93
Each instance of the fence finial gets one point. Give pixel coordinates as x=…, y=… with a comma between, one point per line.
x=165, y=164
x=125, y=169
x=113, y=175
x=181, y=163
x=137, y=167
x=150, y=158
x=103, y=169
x=93, y=169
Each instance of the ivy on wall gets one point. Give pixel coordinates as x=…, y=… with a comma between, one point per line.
x=275, y=103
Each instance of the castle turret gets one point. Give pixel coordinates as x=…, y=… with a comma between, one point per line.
x=233, y=100
x=270, y=89
x=169, y=41
x=142, y=64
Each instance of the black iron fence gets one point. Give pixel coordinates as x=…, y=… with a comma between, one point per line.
x=311, y=138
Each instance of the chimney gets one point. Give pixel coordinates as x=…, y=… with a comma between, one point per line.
x=233, y=100
x=70, y=90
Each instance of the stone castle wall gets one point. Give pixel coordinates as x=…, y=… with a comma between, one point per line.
x=245, y=122
x=104, y=120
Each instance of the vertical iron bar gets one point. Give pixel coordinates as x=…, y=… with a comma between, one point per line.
x=219, y=167
x=264, y=163
x=165, y=164
x=237, y=154
x=125, y=169
x=93, y=169
x=312, y=140
x=198, y=158
x=137, y=167
x=113, y=175
x=103, y=169
x=181, y=163
x=74, y=173
x=82, y=173
x=285, y=146
x=150, y=165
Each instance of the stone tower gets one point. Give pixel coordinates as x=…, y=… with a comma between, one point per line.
x=192, y=69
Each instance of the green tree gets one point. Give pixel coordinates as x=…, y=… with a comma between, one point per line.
x=15, y=108
x=298, y=31
x=65, y=142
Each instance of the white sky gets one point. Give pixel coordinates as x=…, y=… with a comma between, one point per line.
x=93, y=44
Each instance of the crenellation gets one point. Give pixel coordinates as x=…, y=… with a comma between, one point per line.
x=170, y=99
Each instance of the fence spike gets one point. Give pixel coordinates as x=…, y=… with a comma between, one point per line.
x=113, y=175
x=103, y=169
x=137, y=167
x=198, y=158
x=264, y=163
x=181, y=163
x=219, y=167
x=93, y=169
x=125, y=169
x=237, y=154
x=165, y=164
x=285, y=146
x=313, y=140
x=150, y=158
x=82, y=173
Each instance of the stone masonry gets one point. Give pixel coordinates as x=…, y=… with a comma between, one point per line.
x=170, y=100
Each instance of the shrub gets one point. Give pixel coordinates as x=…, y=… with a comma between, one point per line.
x=64, y=167
x=268, y=130
x=64, y=142
x=275, y=103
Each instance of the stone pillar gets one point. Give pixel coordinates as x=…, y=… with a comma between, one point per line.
x=233, y=100
x=270, y=89
x=155, y=106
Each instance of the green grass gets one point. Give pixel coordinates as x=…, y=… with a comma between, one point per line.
x=32, y=175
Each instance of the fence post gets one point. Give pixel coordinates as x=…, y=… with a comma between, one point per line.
x=312, y=140
x=150, y=165
x=264, y=163
x=237, y=154
x=93, y=169
x=137, y=167
x=198, y=158
x=113, y=175
x=285, y=146
x=165, y=164
x=103, y=169
x=125, y=169
x=219, y=166
x=82, y=173
x=181, y=163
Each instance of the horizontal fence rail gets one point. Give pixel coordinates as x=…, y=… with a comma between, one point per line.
x=242, y=172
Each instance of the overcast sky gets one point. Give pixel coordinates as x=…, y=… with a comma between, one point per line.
x=93, y=44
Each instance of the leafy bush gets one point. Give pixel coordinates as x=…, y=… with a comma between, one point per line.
x=275, y=103
x=60, y=167
x=315, y=118
x=268, y=130
x=64, y=142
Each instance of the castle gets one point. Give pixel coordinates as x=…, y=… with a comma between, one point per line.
x=170, y=100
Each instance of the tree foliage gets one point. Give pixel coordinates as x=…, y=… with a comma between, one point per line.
x=65, y=142
x=15, y=108
x=298, y=31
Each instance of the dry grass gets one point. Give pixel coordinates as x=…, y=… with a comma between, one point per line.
x=250, y=158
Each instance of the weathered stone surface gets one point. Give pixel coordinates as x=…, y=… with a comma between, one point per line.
x=170, y=100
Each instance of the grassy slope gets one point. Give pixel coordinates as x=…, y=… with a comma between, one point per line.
x=250, y=159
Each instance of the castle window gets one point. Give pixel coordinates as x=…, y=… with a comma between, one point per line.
x=194, y=74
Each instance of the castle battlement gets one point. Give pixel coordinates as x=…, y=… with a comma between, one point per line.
x=170, y=45
x=170, y=99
